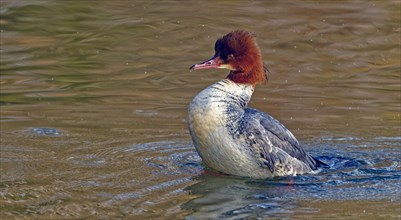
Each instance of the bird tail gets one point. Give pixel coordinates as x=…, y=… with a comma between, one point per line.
x=320, y=164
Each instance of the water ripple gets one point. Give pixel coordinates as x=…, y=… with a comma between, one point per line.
x=46, y=131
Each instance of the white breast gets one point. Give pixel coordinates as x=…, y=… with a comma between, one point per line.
x=213, y=116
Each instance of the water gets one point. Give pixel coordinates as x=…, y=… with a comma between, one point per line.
x=94, y=99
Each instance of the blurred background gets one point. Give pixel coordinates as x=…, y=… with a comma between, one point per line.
x=94, y=98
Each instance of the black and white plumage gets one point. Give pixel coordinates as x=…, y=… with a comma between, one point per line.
x=229, y=136
x=237, y=140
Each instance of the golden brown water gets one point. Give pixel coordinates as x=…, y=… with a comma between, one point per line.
x=94, y=98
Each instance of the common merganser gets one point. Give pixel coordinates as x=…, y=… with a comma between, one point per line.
x=232, y=138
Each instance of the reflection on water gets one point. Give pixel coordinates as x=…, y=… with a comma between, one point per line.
x=94, y=96
x=357, y=177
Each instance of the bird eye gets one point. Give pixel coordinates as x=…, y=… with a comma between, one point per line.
x=230, y=56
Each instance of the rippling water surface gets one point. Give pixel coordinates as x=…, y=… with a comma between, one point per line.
x=94, y=98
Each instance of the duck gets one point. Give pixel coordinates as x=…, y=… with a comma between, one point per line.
x=232, y=138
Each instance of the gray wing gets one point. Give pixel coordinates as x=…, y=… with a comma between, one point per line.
x=274, y=145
